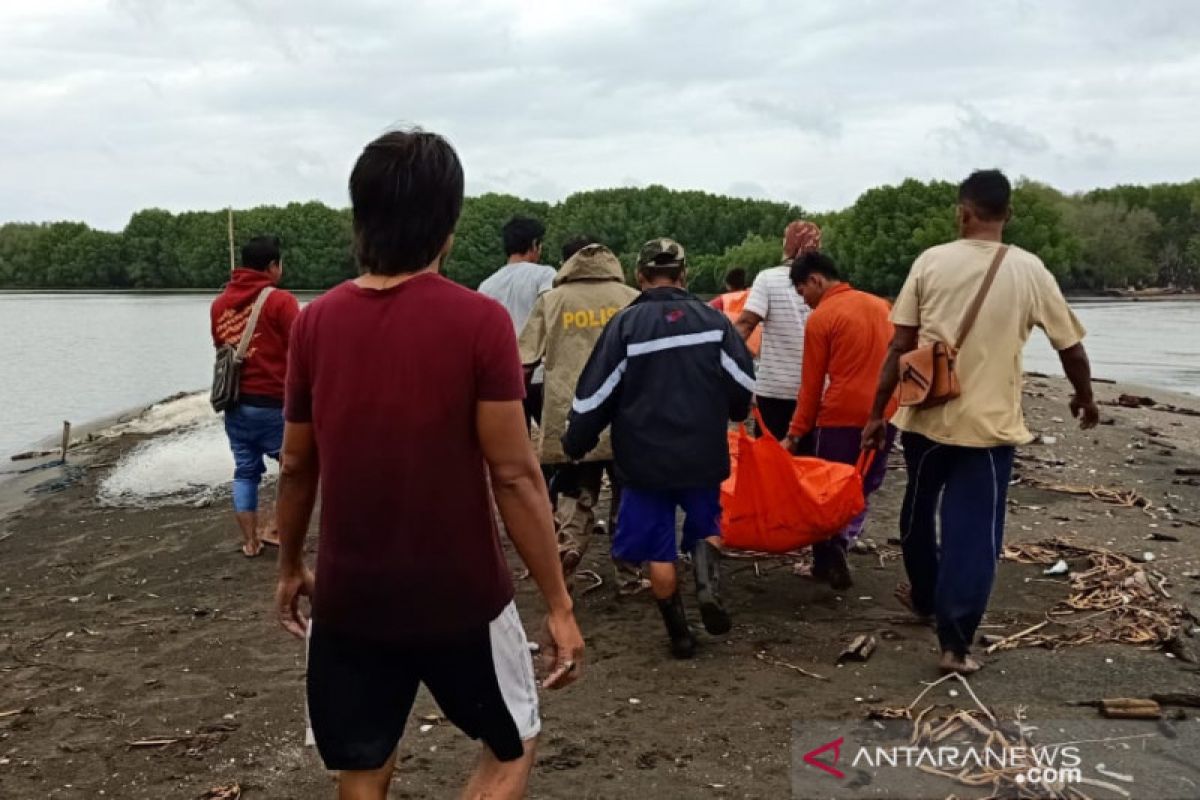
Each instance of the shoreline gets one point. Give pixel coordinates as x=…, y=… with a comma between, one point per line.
x=1096, y=299
x=88, y=430
x=41, y=462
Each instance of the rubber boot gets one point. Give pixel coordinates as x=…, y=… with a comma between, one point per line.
x=706, y=560
x=840, y=578
x=683, y=644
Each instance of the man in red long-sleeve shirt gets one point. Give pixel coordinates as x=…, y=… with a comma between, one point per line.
x=255, y=424
x=845, y=343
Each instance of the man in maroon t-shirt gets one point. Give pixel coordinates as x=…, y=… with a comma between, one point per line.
x=404, y=400
x=254, y=425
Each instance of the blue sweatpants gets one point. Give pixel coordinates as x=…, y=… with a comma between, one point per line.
x=966, y=490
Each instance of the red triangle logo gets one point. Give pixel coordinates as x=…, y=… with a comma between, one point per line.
x=810, y=757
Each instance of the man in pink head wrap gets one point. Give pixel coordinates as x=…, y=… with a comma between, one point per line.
x=774, y=304
x=801, y=237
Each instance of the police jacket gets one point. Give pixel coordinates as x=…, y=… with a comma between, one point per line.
x=563, y=328
x=669, y=374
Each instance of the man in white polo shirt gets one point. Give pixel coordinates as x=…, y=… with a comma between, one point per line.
x=773, y=302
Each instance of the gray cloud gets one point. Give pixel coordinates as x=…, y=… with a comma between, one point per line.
x=190, y=104
x=976, y=131
x=1094, y=141
x=803, y=115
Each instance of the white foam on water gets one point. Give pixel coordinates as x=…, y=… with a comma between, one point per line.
x=187, y=463
x=170, y=415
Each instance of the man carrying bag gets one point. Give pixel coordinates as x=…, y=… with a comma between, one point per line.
x=961, y=418
x=251, y=328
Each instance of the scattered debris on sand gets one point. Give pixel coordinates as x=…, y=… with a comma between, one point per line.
x=775, y=662
x=230, y=791
x=1130, y=708
x=859, y=649
x=1139, y=401
x=1126, y=498
x=935, y=726
x=1116, y=599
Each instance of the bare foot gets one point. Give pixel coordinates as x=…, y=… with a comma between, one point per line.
x=903, y=594
x=269, y=535
x=570, y=560
x=252, y=549
x=963, y=665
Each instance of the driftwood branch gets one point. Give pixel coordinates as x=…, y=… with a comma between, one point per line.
x=766, y=659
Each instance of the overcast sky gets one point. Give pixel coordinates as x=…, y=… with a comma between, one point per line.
x=108, y=107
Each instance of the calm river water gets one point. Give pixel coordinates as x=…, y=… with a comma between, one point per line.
x=82, y=356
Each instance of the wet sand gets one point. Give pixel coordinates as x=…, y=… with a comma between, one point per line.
x=122, y=625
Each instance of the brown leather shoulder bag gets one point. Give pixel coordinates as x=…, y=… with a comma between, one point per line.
x=928, y=375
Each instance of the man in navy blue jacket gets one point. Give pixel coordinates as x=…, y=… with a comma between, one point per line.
x=668, y=374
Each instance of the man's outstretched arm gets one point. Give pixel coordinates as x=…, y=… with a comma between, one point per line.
x=524, y=505
x=1078, y=368
x=875, y=432
x=298, y=476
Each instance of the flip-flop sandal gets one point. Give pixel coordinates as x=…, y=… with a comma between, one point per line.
x=255, y=554
x=972, y=666
x=903, y=595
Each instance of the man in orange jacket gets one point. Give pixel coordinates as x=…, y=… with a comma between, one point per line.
x=845, y=343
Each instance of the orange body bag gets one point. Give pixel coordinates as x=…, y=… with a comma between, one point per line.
x=776, y=502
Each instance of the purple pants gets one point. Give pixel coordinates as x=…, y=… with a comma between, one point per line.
x=844, y=445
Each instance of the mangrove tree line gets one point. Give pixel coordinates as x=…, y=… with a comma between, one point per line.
x=1126, y=236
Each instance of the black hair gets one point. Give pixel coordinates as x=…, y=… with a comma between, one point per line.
x=735, y=279
x=406, y=192
x=988, y=192
x=260, y=252
x=653, y=273
x=575, y=244
x=806, y=264
x=521, y=234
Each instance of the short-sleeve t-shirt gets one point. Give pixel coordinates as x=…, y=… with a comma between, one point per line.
x=784, y=313
x=516, y=287
x=390, y=379
x=942, y=283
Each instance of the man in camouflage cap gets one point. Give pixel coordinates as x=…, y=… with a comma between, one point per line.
x=661, y=253
x=668, y=374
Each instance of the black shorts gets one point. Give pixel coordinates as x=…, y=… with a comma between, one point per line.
x=361, y=693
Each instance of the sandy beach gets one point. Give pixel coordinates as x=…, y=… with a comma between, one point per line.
x=140, y=658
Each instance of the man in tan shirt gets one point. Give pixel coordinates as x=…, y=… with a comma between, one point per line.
x=959, y=455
